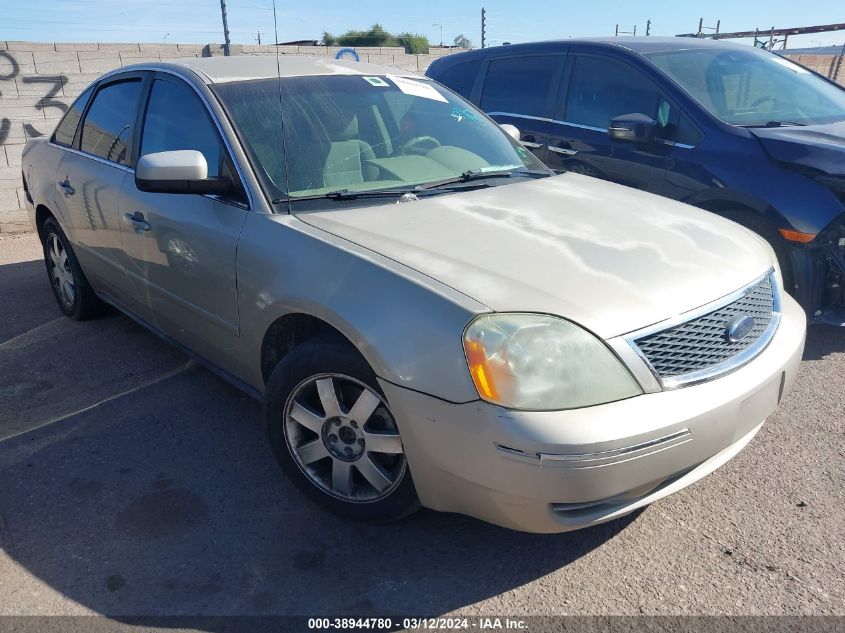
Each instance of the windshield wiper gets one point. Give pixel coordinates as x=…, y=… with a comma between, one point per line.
x=345, y=194
x=776, y=124
x=478, y=174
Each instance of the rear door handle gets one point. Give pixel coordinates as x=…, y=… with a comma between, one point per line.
x=530, y=142
x=64, y=185
x=136, y=221
x=563, y=148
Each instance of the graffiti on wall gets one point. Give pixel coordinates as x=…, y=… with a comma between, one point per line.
x=53, y=84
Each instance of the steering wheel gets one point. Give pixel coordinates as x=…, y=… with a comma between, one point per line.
x=763, y=100
x=419, y=145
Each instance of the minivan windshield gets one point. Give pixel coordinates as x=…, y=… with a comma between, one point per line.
x=753, y=88
x=353, y=134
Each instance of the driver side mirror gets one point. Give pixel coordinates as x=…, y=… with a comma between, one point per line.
x=632, y=128
x=510, y=130
x=179, y=171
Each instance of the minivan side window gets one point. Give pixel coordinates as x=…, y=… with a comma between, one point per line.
x=66, y=129
x=602, y=88
x=177, y=119
x=520, y=85
x=461, y=77
x=108, y=128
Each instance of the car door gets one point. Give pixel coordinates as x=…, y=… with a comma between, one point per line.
x=596, y=89
x=181, y=248
x=94, y=166
x=519, y=90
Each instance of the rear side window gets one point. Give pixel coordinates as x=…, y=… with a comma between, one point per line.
x=66, y=129
x=108, y=128
x=519, y=84
x=461, y=77
x=601, y=89
x=177, y=119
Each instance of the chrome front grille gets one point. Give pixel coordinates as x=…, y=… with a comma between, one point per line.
x=698, y=347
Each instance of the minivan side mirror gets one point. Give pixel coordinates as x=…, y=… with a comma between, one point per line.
x=178, y=171
x=632, y=128
x=510, y=130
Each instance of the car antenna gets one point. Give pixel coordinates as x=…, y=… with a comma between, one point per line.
x=281, y=117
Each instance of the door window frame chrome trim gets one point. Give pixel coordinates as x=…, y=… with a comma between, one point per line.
x=580, y=126
x=727, y=366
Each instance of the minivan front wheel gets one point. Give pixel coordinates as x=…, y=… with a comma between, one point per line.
x=334, y=434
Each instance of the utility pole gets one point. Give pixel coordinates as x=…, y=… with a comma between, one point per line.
x=259, y=38
x=483, y=27
x=441, y=32
x=648, y=28
x=225, y=28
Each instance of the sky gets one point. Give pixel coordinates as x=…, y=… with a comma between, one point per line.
x=199, y=21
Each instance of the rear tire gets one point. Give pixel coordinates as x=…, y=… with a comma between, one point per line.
x=333, y=433
x=73, y=293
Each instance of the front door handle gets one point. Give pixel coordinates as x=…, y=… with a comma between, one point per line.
x=563, y=148
x=136, y=221
x=530, y=142
x=64, y=185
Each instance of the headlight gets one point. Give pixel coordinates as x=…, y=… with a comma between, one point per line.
x=541, y=362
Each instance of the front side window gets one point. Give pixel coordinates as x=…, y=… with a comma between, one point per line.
x=107, y=131
x=66, y=130
x=520, y=85
x=308, y=136
x=601, y=89
x=461, y=77
x=176, y=119
x=753, y=88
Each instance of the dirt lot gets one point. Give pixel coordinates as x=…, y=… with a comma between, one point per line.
x=134, y=482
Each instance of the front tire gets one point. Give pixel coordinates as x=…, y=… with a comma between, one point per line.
x=334, y=435
x=73, y=293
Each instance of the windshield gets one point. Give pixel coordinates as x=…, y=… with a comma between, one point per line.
x=753, y=88
x=363, y=133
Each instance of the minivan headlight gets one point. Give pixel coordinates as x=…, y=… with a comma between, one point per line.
x=541, y=362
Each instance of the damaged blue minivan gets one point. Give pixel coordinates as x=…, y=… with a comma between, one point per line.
x=741, y=132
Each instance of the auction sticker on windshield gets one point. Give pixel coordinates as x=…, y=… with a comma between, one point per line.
x=417, y=88
x=376, y=81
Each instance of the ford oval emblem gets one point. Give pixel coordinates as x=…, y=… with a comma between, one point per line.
x=739, y=328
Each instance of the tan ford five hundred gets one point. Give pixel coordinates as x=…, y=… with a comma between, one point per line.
x=429, y=314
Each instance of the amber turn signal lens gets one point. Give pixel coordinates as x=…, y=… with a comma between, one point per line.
x=797, y=236
x=478, y=368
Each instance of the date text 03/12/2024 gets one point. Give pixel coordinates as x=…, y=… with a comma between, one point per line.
x=417, y=624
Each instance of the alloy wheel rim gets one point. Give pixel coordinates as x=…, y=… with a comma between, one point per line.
x=344, y=438
x=60, y=271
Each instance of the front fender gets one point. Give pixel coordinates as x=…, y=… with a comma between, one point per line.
x=406, y=325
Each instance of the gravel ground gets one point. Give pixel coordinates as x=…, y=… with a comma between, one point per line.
x=133, y=482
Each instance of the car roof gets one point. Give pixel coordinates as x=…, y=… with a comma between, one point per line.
x=637, y=45
x=215, y=70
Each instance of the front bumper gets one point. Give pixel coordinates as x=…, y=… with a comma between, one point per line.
x=564, y=470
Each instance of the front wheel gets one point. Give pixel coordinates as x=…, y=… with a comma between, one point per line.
x=334, y=434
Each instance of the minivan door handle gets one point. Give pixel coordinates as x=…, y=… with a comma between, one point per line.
x=563, y=148
x=530, y=142
x=136, y=221
x=64, y=185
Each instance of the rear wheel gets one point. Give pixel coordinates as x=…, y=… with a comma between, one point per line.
x=334, y=434
x=73, y=293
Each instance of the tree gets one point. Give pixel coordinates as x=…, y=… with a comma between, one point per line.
x=462, y=42
x=377, y=36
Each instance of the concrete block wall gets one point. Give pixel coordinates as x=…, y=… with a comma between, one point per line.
x=39, y=80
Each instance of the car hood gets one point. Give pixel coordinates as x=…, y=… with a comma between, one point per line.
x=819, y=147
x=610, y=258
